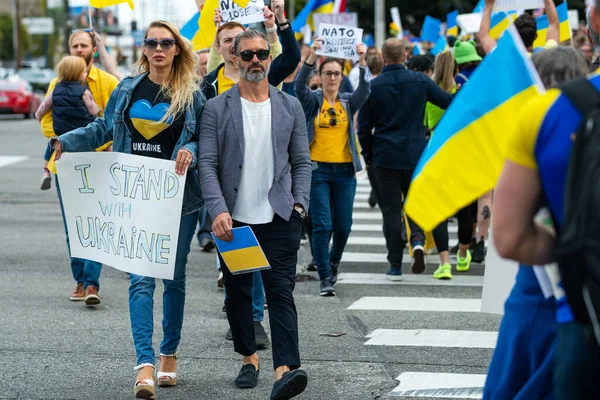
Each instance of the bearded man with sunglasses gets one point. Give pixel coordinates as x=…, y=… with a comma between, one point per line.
x=83, y=44
x=255, y=171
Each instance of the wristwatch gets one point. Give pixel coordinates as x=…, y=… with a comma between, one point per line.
x=300, y=210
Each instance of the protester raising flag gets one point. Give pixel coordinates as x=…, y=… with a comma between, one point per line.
x=313, y=6
x=107, y=3
x=452, y=25
x=470, y=139
x=543, y=25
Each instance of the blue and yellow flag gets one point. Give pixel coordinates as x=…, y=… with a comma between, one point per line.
x=431, y=29
x=305, y=16
x=498, y=24
x=543, y=25
x=466, y=154
x=108, y=3
x=191, y=31
x=452, y=25
x=243, y=254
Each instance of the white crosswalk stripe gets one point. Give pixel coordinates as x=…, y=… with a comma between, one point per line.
x=8, y=160
x=366, y=248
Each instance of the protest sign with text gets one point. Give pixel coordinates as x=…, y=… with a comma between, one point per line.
x=339, y=41
x=344, y=19
x=122, y=210
x=512, y=5
x=253, y=12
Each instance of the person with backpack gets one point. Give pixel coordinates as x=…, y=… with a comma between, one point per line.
x=542, y=351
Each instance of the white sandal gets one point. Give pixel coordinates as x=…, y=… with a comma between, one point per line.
x=144, y=388
x=166, y=379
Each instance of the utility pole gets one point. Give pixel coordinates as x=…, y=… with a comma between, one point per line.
x=291, y=10
x=68, y=27
x=16, y=17
x=379, y=22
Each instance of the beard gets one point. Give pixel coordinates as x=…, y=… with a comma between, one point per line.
x=254, y=76
x=87, y=58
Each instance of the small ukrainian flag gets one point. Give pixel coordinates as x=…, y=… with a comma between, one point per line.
x=543, y=25
x=243, y=254
x=452, y=25
x=466, y=155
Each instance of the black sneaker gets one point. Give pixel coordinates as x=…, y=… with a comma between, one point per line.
x=327, y=287
x=334, y=272
x=418, y=264
x=479, y=252
x=229, y=335
x=247, y=378
x=290, y=385
x=312, y=267
x=260, y=336
x=207, y=244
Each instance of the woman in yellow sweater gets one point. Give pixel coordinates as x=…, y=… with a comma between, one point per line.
x=445, y=71
x=333, y=150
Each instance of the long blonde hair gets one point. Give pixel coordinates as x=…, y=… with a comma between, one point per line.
x=183, y=80
x=445, y=71
x=70, y=69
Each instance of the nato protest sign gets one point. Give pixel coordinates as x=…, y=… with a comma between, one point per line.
x=513, y=5
x=253, y=12
x=339, y=41
x=122, y=210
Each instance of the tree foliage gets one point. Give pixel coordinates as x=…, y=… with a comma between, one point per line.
x=6, y=38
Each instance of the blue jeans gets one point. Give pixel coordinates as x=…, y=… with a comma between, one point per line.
x=141, y=301
x=258, y=295
x=205, y=225
x=84, y=271
x=332, y=192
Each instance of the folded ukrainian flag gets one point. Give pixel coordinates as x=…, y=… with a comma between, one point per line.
x=452, y=25
x=543, y=25
x=465, y=156
x=243, y=254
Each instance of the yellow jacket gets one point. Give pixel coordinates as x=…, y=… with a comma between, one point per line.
x=101, y=85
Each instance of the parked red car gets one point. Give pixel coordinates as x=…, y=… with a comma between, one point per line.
x=17, y=97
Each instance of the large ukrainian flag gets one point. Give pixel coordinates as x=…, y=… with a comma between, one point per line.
x=305, y=16
x=465, y=156
x=543, y=25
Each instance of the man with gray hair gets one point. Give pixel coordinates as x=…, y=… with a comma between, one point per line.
x=255, y=170
x=594, y=38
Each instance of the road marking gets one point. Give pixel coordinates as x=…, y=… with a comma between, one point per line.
x=371, y=216
x=360, y=278
x=416, y=304
x=370, y=257
x=7, y=160
x=363, y=189
x=361, y=196
x=432, y=338
x=367, y=241
x=363, y=205
x=439, y=385
x=366, y=227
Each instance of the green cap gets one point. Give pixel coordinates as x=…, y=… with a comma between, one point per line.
x=465, y=52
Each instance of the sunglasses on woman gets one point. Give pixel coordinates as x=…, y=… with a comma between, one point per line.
x=248, y=55
x=165, y=44
x=332, y=115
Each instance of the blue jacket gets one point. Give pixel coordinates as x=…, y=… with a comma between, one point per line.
x=68, y=110
x=396, y=110
x=112, y=126
x=312, y=102
x=282, y=67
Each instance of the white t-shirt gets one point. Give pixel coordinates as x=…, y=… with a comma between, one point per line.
x=258, y=169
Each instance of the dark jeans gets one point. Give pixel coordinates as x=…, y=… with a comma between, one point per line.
x=84, y=271
x=205, y=225
x=465, y=230
x=280, y=241
x=576, y=364
x=48, y=152
x=390, y=185
x=332, y=192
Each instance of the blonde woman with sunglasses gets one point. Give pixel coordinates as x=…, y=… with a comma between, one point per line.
x=155, y=114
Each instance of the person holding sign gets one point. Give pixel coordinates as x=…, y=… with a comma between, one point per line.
x=255, y=171
x=334, y=153
x=155, y=114
x=223, y=73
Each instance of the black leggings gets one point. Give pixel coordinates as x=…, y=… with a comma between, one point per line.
x=465, y=230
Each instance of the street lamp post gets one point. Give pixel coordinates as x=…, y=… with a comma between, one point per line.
x=16, y=33
x=379, y=22
x=68, y=26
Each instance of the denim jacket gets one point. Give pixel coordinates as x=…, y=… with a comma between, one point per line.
x=112, y=126
x=312, y=102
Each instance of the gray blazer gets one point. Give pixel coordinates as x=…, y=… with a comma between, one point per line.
x=222, y=153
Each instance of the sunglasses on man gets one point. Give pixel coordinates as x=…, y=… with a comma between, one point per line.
x=248, y=55
x=165, y=44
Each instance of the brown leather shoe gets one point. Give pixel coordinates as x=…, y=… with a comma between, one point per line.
x=91, y=296
x=78, y=294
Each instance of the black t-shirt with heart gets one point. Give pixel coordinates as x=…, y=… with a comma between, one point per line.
x=149, y=137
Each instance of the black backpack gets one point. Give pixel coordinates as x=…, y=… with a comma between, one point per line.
x=578, y=251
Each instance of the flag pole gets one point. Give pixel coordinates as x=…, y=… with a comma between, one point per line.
x=90, y=14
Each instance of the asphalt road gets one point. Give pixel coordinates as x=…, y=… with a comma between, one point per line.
x=51, y=348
